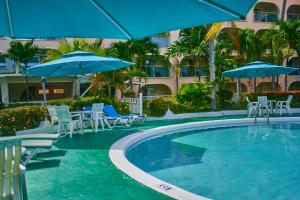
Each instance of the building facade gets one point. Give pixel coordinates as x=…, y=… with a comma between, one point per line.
x=161, y=79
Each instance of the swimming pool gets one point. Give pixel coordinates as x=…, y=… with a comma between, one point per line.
x=228, y=159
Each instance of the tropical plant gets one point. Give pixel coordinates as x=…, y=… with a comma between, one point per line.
x=283, y=40
x=66, y=46
x=22, y=53
x=135, y=51
x=190, y=44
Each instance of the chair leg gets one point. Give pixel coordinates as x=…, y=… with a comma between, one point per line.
x=96, y=124
x=102, y=123
x=280, y=112
x=289, y=110
x=71, y=129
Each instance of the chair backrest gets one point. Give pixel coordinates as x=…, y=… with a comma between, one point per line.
x=10, y=176
x=110, y=111
x=247, y=99
x=63, y=114
x=290, y=97
x=262, y=98
x=96, y=108
x=52, y=113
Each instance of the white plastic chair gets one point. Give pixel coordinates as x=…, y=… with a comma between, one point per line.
x=65, y=120
x=52, y=115
x=252, y=107
x=12, y=176
x=98, y=115
x=264, y=105
x=285, y=105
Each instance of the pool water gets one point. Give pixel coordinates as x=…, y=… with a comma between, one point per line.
x=245, y=162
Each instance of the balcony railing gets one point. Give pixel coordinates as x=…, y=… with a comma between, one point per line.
x=260, y=16
x=191, y=70
x=156, y=71
x=292, y=16
x=162, y=41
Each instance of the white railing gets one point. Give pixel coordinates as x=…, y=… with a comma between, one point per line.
x=135, y=104
x=28, y=103
x=157, y=96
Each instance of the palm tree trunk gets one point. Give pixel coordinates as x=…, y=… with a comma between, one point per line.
x=212, y=70
x=26, y=84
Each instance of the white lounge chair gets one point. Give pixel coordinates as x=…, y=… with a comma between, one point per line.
x=252, y=107
x=285, y=105
x=12, y=176
x=34, y=146
x=39, y=136
x=66, y=120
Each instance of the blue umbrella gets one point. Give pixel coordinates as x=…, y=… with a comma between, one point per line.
x=258, y=69
x=123, y=19
x=76, y=63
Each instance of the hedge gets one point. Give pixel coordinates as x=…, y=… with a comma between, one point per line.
x=20, y=118
x=28, y=117
x=78, y=104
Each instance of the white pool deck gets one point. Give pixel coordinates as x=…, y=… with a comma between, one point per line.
x=118, y=150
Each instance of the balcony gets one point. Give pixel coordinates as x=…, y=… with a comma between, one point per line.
x=292, y=17
x=161, y=40
x=192, y=70
x=293, y=12
x=156, y=71
x=265, y=16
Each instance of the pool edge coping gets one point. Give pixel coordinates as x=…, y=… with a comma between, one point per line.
x=118, y=150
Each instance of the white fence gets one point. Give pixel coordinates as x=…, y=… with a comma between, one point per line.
x=135, y=104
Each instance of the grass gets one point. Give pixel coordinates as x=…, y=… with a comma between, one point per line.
x=80, y=168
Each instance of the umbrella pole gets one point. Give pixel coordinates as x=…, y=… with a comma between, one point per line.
x=44, y=90
x=254, y=80
x=238, y=88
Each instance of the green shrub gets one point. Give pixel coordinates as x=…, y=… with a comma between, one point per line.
x=158, y=107
x=121, y=106
x=20, y=118
x=129, y=94
x=194, y=94
x=224, y=99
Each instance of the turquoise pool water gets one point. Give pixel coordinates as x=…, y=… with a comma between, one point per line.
x=246, y=162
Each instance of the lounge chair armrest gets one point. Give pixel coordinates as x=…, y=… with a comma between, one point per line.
x=75, y=115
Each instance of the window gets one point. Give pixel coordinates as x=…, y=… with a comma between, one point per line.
x=41, y=91
x=58, y=91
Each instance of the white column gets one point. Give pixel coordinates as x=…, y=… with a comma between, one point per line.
x=141, y=103
x=4, y=90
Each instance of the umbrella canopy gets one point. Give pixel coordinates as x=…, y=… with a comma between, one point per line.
x=77, y=63
x=130, y=19
x=258, y=69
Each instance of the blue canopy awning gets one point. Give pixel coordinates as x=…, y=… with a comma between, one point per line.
x=258, y=69
x=77, y=63
x=122, y=19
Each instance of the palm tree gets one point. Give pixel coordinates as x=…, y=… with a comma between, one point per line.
x=65, y=46
x=135, y=51
x=190, y=44
x=283, y=39
x=211, y=39
x=22, y=53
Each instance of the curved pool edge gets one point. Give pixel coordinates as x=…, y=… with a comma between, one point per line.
x=117, y=152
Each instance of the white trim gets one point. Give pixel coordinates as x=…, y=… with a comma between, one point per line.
x=117, y=152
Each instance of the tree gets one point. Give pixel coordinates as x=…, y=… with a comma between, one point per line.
x=22, y=53
x=190, y=44
x=65, y=46
x=135, y=51
x=211, y=39
x=283, y=40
